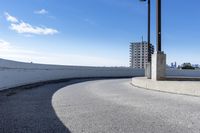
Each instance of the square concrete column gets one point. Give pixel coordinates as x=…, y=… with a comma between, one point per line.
x=158, y=66
x=148, y=70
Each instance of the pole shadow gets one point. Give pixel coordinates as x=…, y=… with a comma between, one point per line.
x=30, y=110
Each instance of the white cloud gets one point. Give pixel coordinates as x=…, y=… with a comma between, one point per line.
x=9, y=51
x=4, y=44
x=42, y=12
x=23, y=27
x=10, y=18
x=25, y=55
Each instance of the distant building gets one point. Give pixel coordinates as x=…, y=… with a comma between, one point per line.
x=173, y=65
x=139, y=54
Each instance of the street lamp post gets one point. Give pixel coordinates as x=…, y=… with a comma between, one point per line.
x=148, y=65
x=159, y=57
x=149, y=29
x=156, y=66
x=158, y=25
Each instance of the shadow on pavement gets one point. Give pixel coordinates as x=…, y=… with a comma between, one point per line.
x=31, y=111
x=28, y=109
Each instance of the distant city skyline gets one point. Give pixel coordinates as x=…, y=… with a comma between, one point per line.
x=94, y=32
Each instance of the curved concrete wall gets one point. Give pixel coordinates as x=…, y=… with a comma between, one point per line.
x=183, y=73
x=17, y=73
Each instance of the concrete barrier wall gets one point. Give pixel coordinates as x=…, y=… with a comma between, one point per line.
x=183, y=73
x=17, y=73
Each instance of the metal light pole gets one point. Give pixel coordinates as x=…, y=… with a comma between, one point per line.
x=158, y=58
x=149, y=29
x=158, y=25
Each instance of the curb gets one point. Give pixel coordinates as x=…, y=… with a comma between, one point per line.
x=13, y=90
x=189, y=88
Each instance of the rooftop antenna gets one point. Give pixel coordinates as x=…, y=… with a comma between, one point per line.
x=142, y=40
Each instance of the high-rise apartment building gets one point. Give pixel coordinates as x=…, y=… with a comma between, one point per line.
x=139, y=54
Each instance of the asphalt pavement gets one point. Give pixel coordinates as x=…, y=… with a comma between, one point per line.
x=99, y=106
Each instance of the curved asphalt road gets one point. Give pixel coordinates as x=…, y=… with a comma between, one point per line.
x=101, y=106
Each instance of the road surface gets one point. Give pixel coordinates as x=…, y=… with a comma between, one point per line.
x=100, y=106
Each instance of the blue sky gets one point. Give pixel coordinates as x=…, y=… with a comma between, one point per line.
x=94, y=32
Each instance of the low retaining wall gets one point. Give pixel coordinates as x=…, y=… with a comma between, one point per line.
x=183, y=73
x=17, y=73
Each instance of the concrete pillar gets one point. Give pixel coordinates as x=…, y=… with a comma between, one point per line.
x=158, y=66
x=148, y=70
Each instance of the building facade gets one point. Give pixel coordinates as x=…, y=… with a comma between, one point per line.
x=139, y=54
